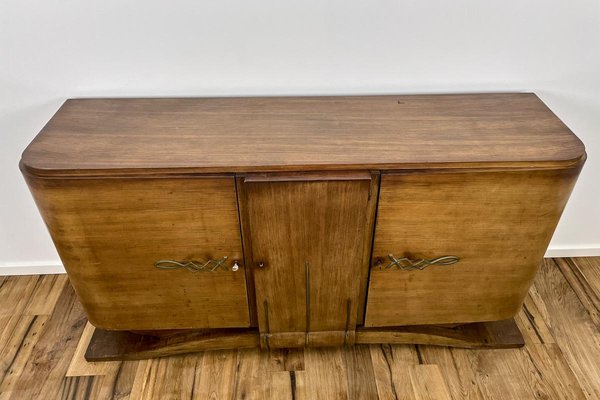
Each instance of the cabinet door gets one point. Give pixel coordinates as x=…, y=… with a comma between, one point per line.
x=146, y=254
x=456, y=247
x=310, y=239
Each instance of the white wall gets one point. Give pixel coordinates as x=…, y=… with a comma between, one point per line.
x=51, y=50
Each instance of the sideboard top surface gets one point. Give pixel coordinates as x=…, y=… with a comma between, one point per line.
x=257, y=134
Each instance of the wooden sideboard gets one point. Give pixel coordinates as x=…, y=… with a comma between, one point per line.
x=211, y=223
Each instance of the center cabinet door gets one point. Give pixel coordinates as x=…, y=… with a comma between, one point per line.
x=309, y=238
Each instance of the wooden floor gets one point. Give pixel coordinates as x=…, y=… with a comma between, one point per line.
x=44, y=332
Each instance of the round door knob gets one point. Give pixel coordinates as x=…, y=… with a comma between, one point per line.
x=261, y=264
x=235, y=266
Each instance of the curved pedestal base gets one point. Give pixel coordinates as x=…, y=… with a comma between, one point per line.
x=122, y=345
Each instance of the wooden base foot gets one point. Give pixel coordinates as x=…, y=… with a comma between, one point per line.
x=122, y=345
x=497, y=334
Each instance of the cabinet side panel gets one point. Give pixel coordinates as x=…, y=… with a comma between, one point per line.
x=499, y=224
x=111, y=233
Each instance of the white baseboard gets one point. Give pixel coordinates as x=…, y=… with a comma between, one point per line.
x=53, y=267
x=31, y=268
x=573, y=252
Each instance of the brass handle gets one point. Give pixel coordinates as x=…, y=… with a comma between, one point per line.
x=195, y=266
x=406, y=264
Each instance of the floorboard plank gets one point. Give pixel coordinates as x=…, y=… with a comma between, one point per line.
x=45, y=294
x=550, y=375
x=17, y=350
x=531, y=322
x=584, y=277
x=80, y=367
x=325, y=373
x=359, y=373
x=81, y=387
x=287, y=359
x=16, y=292
x=428, y=382
x=257, y=379
x=455, y=366
x=571, y=326
x=500, y=374
x=590, y=269
x=8, y=324
x=299, y=385
x=215, y=377
x=119, y=385
x=391, y=368
x=46, y=367
x=142, y=371
x=167, y=378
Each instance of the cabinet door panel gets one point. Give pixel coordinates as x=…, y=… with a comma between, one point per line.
x=110, y=233
x=497, y=223
x=313, y=239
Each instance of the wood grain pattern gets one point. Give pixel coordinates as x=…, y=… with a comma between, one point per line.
x=574, y=331
x=559, y=360
x=531, y=322
x=498, y=223
x=45, y=294
x=287, y=359
x=391, y=367
x=585, y=281
x=45, y=367
x=125, y=345
x=216, y=375
x=457, y=369
x=16, y=292
x=18, y=347
x=428, y=383
x=496, y=334
x=167, y=378
x=81, y=367
x=312, y=238
x=551, y=376
x=325, y=374
x=257, y=380
x=102, y=345
x=360, y=374
x=298, y=133
x=109, y=234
